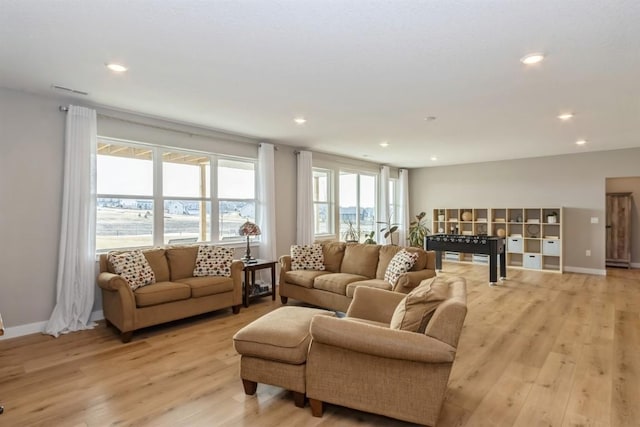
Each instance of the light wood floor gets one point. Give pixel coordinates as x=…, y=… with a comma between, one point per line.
x=541, y=349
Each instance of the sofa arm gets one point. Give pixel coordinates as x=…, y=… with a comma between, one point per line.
x=409, y=280
x=237, y=268
x=374, y=304
x=285, y=263
x=112, y=282
x=379, y=341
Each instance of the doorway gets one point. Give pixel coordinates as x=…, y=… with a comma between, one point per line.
x=618, y=232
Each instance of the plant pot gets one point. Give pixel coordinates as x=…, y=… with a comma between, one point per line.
x=441, y=218
x=551, y=219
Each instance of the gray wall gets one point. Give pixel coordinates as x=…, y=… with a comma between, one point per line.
x=630, y=185
x=576, y=182
x=31, y=159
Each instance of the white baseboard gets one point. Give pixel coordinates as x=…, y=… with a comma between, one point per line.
x=635, y=265
x=38, y=327
x=594, y=271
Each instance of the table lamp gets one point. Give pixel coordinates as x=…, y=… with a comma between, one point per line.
x=249, y=229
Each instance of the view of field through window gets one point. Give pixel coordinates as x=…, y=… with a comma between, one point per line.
x=127, y=206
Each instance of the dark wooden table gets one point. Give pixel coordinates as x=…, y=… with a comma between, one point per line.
x=490, y=245
x=250, y=269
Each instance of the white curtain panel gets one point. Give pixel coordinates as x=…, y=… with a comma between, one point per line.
x=383, y=203
x=266, y=201
x=76, y=278
x=304, y=214
x=403, y=217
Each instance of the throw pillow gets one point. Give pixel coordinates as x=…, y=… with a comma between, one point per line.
x=416, y=309
x=133, y=267
x=399, y=264
x=213, y=261
x=307, y=257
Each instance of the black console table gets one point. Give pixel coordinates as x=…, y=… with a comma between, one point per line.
x=488, y=245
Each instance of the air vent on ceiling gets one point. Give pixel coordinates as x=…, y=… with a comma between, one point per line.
x=67, y=89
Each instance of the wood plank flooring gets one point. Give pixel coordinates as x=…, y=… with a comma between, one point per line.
x=540, y=349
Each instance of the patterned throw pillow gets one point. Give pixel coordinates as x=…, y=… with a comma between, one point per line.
x=213, y=261
x=133, y=267
x=399, y=264
x=307, y=257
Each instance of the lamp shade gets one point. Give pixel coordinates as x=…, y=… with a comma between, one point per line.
x=249, y=229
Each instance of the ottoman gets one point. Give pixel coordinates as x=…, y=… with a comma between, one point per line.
x=274, y=350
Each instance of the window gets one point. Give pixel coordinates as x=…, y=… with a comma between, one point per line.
x=148, y=195
x=322, y=201
x=357, y=203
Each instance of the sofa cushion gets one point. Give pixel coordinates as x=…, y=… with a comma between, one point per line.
x=161, y=292
x=400, y=263
x=208, y=285
x=303, y=278
x=333, y=253
x=371, y=283
x=336, y=282
x=182, y=261
x=213, y=261
x=360, y=259
x=158, y=262
x=387, y=252
x=133, y=267
x=415, y=310
x=307, y=257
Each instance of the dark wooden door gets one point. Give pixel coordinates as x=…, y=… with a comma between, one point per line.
x=618, y=230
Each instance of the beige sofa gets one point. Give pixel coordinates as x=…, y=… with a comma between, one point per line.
x=347, y=266
x=175, y=295
x=361, y=363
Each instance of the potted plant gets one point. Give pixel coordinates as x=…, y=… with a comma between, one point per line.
x=389, y=229
x=351, y=235
x=441, y=215
x=368, y=238
x=552, y=217
x=418, y=230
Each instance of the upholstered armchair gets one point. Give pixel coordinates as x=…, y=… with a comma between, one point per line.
x=361, y=362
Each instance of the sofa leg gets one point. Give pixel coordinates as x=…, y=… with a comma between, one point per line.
x=284, y=299
x=317, y=407
x=126, y=336
x=236, y=308
x=107, y=323
x=298, y=399
x=249, y=387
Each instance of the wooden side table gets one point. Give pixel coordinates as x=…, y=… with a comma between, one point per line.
x=250, y=269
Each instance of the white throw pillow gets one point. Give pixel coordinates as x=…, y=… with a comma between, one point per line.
x=307, y=257
x=213, y=261
x=399, y=264
x=133, y=267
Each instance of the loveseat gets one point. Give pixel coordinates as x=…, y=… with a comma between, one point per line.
x=346, y=267
x=175, y=293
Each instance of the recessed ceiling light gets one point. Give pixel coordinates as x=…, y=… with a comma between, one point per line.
x=532, y=58
x=430, y=118
x=581, y=142
x=566, y=116
x=300, y=120
x=434, y=158
x=117, y=68
x=384, y=144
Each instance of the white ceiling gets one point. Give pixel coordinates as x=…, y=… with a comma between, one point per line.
x=361, y=72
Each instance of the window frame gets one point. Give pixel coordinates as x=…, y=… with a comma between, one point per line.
x=358, y=173
x=329, y=204
x=158, y=198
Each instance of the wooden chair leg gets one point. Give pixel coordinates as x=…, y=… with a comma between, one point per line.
x=317, y=407
x=126, y=336
x=284, y=299
x=298, y=399
x=236, y=308
x=249, y=387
